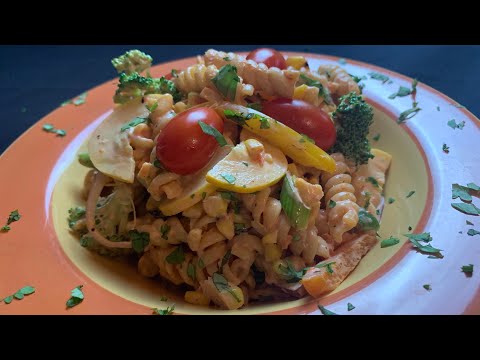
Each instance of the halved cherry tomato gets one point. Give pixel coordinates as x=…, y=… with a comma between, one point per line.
x=182, y=146
x=303, y=118
x=270, y=57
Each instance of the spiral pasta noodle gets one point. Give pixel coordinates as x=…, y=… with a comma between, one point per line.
x=343, y=216
x=340, y=82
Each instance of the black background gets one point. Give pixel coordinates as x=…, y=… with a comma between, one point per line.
x=34, y=80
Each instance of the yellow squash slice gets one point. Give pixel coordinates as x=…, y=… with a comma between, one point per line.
x=109, y=147
x=195, y=187
x=241, y=173
x=286, y=139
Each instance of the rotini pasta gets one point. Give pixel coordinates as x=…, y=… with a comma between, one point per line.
x=232, y=204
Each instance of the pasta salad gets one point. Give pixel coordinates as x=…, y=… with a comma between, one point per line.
x=238, y=179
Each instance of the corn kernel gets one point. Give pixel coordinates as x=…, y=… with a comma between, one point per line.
x=254, y=148
x=196, y=298
x=273, y=252
x=299, y=92
x=297, y=62
x=270, y=238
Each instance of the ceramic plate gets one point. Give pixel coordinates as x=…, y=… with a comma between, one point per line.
x=40, y=177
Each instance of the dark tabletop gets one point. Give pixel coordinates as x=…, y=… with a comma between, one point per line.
x=34, y=80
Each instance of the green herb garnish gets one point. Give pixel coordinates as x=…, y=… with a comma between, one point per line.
x=13, y=217
x=331, y=204
x=264, y=124
x=84, y=159
x=350, y=307
x=139, y=240
x=415, y=239
x=322, y=91
x=164, y=229
x=468, y=270
x=296, y=237
x=204, y=195
x=468, y=209
x=76, y=297
x=473, y=232
x=427, y=287
x=391, y=241
x=373, y=181
x=222, y=285
x=342, y=61
x=325, y=311
x=255, y=106
x=239, y=228
x=167, y=311
x=174, y=73
x=453, y=124
x=191, y=272
x=305, y=138
x=327, y=265
x=51, y=129
x=380, y=77
x=19, y=294
x=77, y=101
x=289, y=273
x=133, y=123
x=408, y=114
x=438, y=108
x=468, y=222
x=153, y=107
x=226, y=81
x=229, y=178
x=245, y=163
x=410, y=194
x=445, y=149
x=376, y=137
x=391, y=200
x=177, y=256
x=401, y=92
x=210, y=130
x=367, y=221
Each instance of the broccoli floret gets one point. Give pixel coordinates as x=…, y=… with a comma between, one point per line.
x=111, y=217
x=353, y=117
x=134, y=85
x=132, y=61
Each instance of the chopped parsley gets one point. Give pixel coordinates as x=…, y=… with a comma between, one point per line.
x=376, y=137
x=289, y=273
x=226, y=81
x=325, y=311
x=473, y=186
x=19, y=294
x=76, y=297
x=408, y=114
x=445, y=149
x=391, y=200
x=177, y=256
x=462, y=192
x=165, y=228
x=210, y=130
x=438, y=108
x=152, y=108
x=264, y=124
x=158, y=164
x=373, y=181
x=427, y=287
x=331, y=204
x=305, y=138
x=133, y=123
x=13, y=217
x=204, y=195
x=326, y=265
x=367, y=221
x=229, y=178
x=222, y=285
x=51, y=129
x=238, y=118
x=191, y=272
x=380, y=77
x=192, y=196
x=473, y=232
x=296, y=237
x=225, y=259
x=200, y=263
x=245, y=163
x=468, y=209
x=174, y=73
x=350, y=307
x=239, y=228
x=226, y=58
x=468, y=222
x=391, y=241
x=163, y=298
x=77, y=101
x=468, y=270
x=167, y=311
x=357, y=79
x=416, y=240
x=139, y=240
x=322, y=91
x=401, y=92
x=453, y=124
x=410, y=194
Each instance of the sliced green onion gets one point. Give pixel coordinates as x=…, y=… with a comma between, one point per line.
x=293, y=206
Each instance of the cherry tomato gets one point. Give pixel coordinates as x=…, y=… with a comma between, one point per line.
x=303, y=118
x=182, y=146
x=270, y=57
x=168, y=76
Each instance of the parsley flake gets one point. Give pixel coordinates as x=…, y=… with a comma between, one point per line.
x=226, y=81
x=408, y=114
x=391, y=200
x=133, y=123
x=342, y=61
x=380, y=77
x=177, y=256
x=76, y=297
x=473, y=232
x=164, y=229
x=415, y=239
x=77, y=101
x=427, y=287
x=51, y=129
x=325, y=311
x=140, y=240
x=373, y=181
x=410, y=194
x=19, y=294
x=222, y=285
x=210, y=130
x=13, y=217
x=391, y=241
x=264, y=124
x=331, y=204
x=445, y=149
x=350, y=307
x=468, y=222
x=229, y=178
x=453, y=124
x=468, y=209
x=327, y=265
x=367, y=221
x=401, y=92
x=462, y=192
x=468, y=270
x=322, y=91
x=305, y=138
x=167, y=311
x=376, y=137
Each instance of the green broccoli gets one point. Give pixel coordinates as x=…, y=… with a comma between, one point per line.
x=132, y=61
x=353, y=118
x=111, y=217
x=134, y=85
